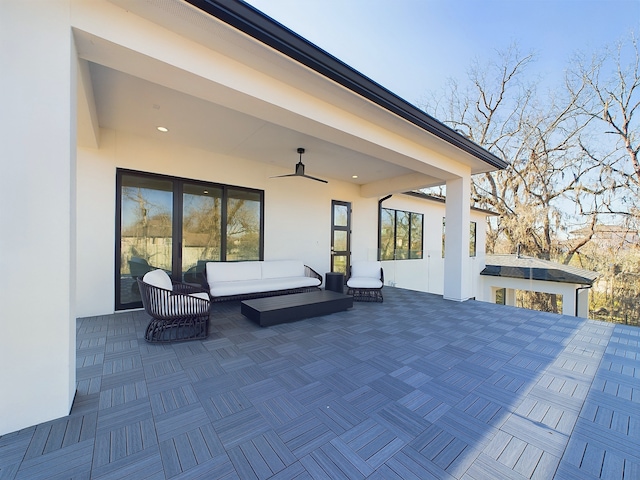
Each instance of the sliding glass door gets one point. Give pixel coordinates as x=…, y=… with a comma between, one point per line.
x=178, y=225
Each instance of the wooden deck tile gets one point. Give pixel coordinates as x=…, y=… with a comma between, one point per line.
x=410, y=464
x=240, y=427
x=416, y=387
x=304, y=434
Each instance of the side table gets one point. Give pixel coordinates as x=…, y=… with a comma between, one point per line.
x=334, y=281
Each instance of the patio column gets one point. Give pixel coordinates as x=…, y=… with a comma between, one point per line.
x=457, y=271
x=583, y=301
x=37, y=245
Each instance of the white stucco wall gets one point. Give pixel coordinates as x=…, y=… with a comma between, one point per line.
x=297, y=215
x=297, y=211
x=427, y=274
x=37, y=244
x=567, y=290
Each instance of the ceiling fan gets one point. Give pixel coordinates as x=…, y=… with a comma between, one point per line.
x=299, y=172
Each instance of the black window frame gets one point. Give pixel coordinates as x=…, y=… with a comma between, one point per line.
x=473, y=239
x=178, y=184
x=412, y=254
x=473, y=252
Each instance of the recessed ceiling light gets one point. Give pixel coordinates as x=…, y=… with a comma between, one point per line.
x=162, y=129
x=354, y=176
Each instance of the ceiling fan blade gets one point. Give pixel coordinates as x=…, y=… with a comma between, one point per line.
x=313, y=178
x=289, y=175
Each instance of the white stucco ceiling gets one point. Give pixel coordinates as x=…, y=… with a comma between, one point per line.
x=130, y=104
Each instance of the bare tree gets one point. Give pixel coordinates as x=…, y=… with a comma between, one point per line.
x=573, y=157
x=502, y=112
x=612, y=81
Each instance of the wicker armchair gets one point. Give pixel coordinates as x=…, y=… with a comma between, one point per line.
x=365, y=282
x=179, y=311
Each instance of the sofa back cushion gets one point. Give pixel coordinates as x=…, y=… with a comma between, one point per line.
x=158, y=278
x=366, y=269
x=233, y=271
x=282, y=269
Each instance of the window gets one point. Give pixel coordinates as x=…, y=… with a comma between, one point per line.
x=472, y=238
x=400, y=235
x=501, y=296
x=443, y=230
x=178, y=225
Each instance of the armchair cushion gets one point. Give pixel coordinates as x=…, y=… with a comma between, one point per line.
x=158, y=278
x=364, y=282
x=366, y=269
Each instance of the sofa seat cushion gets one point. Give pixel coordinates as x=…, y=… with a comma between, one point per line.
x=223, y=289
x=364, y=282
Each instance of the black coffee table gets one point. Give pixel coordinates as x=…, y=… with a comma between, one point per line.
x=289, y=308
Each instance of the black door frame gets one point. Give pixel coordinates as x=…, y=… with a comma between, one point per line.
x=346, y=228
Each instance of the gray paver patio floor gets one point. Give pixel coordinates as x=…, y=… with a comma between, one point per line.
x=416, y=387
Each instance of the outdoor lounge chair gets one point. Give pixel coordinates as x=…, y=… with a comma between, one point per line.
x=366, y=280
x=179, y=311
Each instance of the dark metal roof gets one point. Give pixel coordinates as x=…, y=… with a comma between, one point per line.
x=253, y=22
x=530, y=268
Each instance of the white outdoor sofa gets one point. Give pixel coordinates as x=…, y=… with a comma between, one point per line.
x=242, y=280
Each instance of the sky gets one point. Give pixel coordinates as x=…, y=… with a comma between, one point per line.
x=412, y=47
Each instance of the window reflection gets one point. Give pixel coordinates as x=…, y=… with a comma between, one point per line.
x=243, y=225
x=400, y=235
x=212, y=223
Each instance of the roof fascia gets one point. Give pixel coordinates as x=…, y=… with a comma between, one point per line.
x=263, y=28
x=540, y=274
x=433, y=198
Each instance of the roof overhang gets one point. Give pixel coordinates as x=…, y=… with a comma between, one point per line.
x=228, y=79
x=251, y=21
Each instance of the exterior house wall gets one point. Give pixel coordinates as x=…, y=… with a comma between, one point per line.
x=297, y=211
x=297, y=216
x=37, y=245
x=427, y=274
x=567, y=290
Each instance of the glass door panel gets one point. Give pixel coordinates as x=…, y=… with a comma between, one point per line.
x=340, y=241
x=146, y=239
x=340, y=214
x=243, y=223
x=201, y=221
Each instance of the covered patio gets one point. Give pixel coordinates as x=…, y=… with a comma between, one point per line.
x=416, y=387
